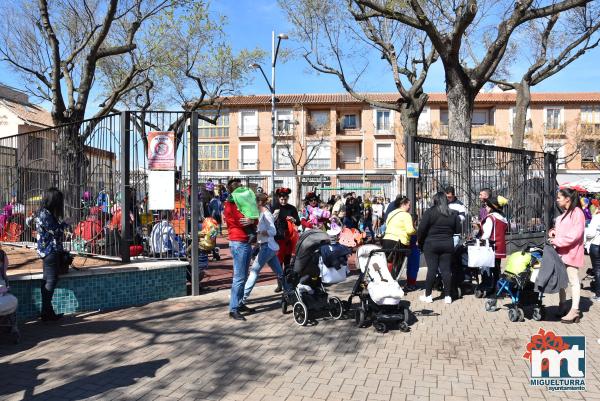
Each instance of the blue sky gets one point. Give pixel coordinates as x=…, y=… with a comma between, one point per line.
x=250, y=23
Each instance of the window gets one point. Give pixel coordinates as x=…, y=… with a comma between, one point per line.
x=480, y=117
x=556, y=147
x=282, y=156
x=590, y=115
x=319, y=120
x=249, y=122
x=589, y=151
x=424, y=125
x=319, y=153
x=383, y=120
x=35, y=148
x=248, y=157
x=384, y=155
x=285, y=125
x=443, y=117
x=481, y=153
x=528, y=123
x=553, y=118
x=213, y=157
x=349, y=152
x=208, y=130
x=350, y=121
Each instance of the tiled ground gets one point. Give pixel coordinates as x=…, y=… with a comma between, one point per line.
x=188, y=349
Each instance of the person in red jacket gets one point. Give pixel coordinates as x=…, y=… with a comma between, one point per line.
x=493, y=228
x=241, y=251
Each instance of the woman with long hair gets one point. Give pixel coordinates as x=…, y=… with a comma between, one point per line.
x=435, y=237
x=567, y=236
x=286, y=222
x=50, y=234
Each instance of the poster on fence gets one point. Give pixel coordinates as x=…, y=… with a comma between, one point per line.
x=161, y=150
x=412, y=170
x=161, y=190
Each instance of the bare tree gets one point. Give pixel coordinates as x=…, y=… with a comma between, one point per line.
x=301, y=150
x=554, y=43
x=447, y=23
x=339, y=40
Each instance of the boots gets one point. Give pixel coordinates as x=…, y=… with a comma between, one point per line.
x=572, y=317
x=48, y=314
x=279, y=286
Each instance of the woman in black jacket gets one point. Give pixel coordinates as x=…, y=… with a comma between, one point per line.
x=435, y=236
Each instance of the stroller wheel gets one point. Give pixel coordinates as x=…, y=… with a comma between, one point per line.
x=490, y=305
x=380, y=327
x=284, y=306
x=538, y=313
x=403, y=327
x=336, y=310
x=513, y=315
x=479, y=293
x=459, y=292
x=360, y=316
x=521, y=315
x=300, y=314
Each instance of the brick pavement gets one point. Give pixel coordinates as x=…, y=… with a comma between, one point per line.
x=187, y=349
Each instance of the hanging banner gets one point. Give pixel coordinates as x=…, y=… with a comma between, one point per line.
x=161, y=190
x=412, y=170
x=161, y=150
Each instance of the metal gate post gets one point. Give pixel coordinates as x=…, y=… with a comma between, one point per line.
x=550, y=186
x=194, y=196
x=124, y=189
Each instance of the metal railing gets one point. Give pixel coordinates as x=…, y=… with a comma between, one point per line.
x=248, y=132
x=527, y=179
x=319, y=164
x=248, y=164
x=384, y=163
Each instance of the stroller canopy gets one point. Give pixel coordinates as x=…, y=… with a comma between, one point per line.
x=307, y=258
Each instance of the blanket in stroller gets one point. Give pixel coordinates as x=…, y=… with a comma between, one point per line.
x=382, y=287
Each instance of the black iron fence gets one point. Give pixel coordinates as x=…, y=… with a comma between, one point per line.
x=102, y=167
x=526, y=178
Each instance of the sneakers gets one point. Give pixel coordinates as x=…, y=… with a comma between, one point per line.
x=447, y=300
x=244, y=308
x=426, y=299
x=410, y=288
x=596, y=298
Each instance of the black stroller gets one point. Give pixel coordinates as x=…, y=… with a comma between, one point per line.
x=305, y=289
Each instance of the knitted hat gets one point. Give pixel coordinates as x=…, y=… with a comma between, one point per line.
x=498, y=203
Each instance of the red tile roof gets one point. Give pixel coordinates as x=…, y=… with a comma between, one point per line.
x=434, y=98
x=30, y=113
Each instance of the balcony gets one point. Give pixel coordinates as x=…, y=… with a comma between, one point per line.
x=385, y=131
x=424, y=129
x=285, y=129
x=352, y=130
x=248, y=164
x=477, y=131
x=349, y=165
x=589, y=130
x=384, y=163
x=555, y=130
x=284, y=165
x=250, y=132
x=319, y=164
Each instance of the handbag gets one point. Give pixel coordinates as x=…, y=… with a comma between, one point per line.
x=481, y=256
x=331, y=275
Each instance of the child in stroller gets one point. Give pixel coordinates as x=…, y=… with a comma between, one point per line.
x=380, y=295
x=517, y=282
x=8, y=302
x=305, y=278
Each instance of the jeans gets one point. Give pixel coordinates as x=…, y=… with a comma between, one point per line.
x=349, y=222
x=595, y=258
x=265, y=256
x=369, y=225
x=240, y=252
x=49, y=281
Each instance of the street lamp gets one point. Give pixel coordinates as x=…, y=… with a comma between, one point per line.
x=271, y=84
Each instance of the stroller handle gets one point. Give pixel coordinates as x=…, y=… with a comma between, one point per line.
x=390, y=250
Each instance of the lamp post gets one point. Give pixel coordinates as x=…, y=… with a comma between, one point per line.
x=271, y=84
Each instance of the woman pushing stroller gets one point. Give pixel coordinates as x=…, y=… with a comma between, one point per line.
x=493, y=228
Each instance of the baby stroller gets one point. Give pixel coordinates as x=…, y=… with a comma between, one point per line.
x=517, y=282
x=305, y=290
x=380, y=295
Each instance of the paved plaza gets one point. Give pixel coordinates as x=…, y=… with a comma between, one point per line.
x=188, y=349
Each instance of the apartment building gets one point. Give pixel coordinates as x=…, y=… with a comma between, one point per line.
x=353, y=145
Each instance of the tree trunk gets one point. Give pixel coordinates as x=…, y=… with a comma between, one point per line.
x=461, y=99
x=299, y=189
x=520, y=121
x=409, y=118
